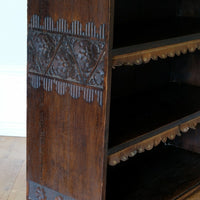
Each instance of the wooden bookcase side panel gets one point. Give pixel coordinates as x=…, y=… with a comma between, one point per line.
x=68, y=85
x=64, y=154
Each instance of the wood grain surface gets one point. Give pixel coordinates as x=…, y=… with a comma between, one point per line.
x=67, y=136
x=165, y=173
x=13, y=183
x=144, y=53
x=69, y=70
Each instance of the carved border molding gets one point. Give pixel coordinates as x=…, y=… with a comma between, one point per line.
x=61, y=87
x=39, y=192
x=67, y=58
x=151, y=142
x=75, y=28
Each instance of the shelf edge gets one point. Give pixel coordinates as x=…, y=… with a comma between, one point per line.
x=170, y=132
x=189, y=192
x=139, y=54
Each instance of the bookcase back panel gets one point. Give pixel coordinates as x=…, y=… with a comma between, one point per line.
x=128, y=80
x=145, y=21
x=187, y=69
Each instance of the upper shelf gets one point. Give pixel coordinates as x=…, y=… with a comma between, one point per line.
x=143, y=53
x=145, y=30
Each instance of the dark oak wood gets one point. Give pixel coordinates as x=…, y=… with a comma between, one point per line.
x=147, y=141
x=170, y=103
x=146, y=30
x=154, y=20
x=158, y=29
x=155, y=44
x=83, y=112
x=155, y=175
x=68, y=48
x=145, y=52
x=157, y=116
x=189, y=141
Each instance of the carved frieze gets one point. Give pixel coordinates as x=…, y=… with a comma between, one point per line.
x=68, y=59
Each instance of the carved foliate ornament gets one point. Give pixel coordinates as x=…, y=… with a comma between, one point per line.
x=68, y=59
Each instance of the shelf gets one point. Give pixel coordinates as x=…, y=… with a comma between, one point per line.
x=144, y=52
x=140, y=122
x=163, y=173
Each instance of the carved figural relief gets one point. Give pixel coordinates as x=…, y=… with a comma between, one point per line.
x=72, y=60
x=39, y=192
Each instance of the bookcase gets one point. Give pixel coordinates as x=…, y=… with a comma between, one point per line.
x=113, y=99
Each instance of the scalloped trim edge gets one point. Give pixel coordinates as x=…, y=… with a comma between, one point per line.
x=152, y=142
x=61, y=87
x=163, y=52
x=76, y=28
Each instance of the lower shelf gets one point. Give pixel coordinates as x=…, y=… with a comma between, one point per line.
x=135, y=115
x=164, y=173
x=141, y=122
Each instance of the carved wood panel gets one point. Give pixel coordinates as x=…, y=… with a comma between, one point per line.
x=66, y=57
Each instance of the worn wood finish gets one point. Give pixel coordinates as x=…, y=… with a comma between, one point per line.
x=154, y=20
x=161, y=98
x=72, y=46
x=193, y=194
x=67, y=145
x=159, y=30
x=148, y=141
x=189, y=141
x=187, y=70
x=144, y=53
x=18, y=191
x=163, y=173
x=170, y=103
